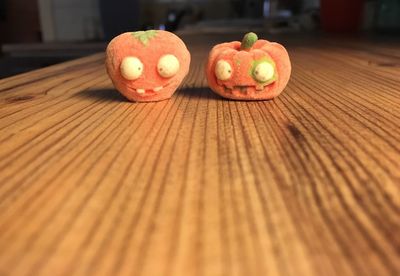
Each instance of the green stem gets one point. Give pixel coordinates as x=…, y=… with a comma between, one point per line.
x=248, y=41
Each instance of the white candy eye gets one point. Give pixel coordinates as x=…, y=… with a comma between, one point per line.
x=168, y=66
x=223, y=70
x=264, y=72
x=131, y=68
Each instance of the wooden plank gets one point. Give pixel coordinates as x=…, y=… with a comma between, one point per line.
x=306, y=184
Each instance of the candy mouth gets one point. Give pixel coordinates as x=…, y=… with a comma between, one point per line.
x=246, y=89
x=148, y=91
x=143, y=91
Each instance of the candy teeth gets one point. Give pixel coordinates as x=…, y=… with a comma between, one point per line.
x=157, y=88
x=143, y=91
x=236, y=90
x=259, y=87
x=227, y=89
x=244, y=89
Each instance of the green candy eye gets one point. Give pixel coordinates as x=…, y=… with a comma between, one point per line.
x=264, y=71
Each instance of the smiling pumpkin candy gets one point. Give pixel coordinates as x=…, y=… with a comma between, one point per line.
x=249, y=70
x=147, y=65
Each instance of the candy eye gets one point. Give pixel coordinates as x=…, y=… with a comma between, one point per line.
x=223, y=70
x=168, y=66
x=131, y=68
x=264, y=72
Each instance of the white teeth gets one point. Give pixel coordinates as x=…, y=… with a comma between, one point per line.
x=157, y=88
x=143, y=91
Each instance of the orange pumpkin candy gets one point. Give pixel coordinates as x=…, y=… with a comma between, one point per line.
x=147, y=65
x=251, y=70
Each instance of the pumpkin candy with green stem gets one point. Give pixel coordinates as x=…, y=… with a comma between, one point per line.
x=147, y=65
x=249, y=70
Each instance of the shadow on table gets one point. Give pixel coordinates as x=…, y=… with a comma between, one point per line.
x=110, y=95
x=113, y=95
x=199, y=92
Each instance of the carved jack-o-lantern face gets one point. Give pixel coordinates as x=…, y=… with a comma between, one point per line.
x=147, y=65
x=251, y=70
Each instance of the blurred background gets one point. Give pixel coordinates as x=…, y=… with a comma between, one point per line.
x=38, y=33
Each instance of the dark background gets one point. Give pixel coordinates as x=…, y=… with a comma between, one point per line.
x=37, y=33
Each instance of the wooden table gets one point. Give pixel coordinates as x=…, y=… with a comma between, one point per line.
x=306, y=184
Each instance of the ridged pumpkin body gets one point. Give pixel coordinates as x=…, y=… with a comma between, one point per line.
x=241, y=81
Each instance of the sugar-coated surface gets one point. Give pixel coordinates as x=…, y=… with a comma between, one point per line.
x=149, y=48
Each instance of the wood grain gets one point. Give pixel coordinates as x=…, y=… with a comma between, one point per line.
x=306, y=184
